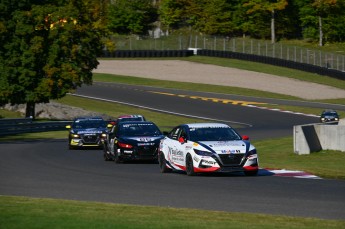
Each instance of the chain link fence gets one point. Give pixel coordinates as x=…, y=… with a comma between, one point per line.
x=335, y=61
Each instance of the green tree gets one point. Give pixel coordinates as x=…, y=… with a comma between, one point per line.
x=214, y=17
x=48, y=48
x=131, y=16
x=322, y=19
x=267, y=5
x=175, y=14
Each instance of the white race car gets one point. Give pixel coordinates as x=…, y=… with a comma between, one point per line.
x=207, y=147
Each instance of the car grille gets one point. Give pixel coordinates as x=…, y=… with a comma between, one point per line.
x=146, y=150
x=231, y=159
x=90, y=138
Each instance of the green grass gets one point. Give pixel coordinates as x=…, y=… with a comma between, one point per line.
x=278, y=154
x=23, y=212
x=187, y=86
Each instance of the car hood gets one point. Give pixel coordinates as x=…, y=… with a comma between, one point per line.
x=141, y=139
x=89, y=131
x=226, y=147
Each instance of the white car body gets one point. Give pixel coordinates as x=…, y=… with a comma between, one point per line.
x=197, y=152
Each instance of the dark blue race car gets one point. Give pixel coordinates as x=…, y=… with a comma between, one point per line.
x=87, y=132
x=135, y=140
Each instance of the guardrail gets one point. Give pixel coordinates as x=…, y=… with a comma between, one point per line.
x=27, y=125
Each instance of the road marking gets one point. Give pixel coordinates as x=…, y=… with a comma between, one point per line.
x=216, y=100
x=287, y=173
x=233, y=102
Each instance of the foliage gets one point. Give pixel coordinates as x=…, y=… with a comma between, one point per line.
x=131, y=17
x=243, y=17
x=47, y=49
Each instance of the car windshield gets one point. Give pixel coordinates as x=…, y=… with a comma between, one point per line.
x=330, y=113
x=213, y=134
x=87, y=124
x=138, y=129
x=128, y=119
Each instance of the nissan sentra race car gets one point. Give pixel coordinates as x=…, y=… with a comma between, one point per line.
x=87, y=132
x=207, y=147
x=133, y=140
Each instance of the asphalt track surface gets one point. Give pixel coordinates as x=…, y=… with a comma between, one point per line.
x=49, y=169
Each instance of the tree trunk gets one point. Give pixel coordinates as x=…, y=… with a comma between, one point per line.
x=30, y=110
x=321, y=33
x=273, y=32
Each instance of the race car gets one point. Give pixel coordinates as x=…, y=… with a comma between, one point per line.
x=205, y=148
x=87, y=132
x=132, y=140
x=329, y=116
x=124, y=118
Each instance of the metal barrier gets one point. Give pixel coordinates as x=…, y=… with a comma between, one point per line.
x=26, y=125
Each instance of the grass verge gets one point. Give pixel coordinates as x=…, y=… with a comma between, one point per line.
x=23, y=212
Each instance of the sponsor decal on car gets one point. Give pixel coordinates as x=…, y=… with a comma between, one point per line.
x=89, y=132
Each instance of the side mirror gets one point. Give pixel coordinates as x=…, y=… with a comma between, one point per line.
x=245, y=137
x=68, y=127
x=110, y=125
x=182, y=140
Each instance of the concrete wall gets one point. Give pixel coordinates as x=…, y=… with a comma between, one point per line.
x=316, y=137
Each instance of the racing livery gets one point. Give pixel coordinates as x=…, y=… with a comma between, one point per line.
x=132, y=140
x=87, y=132
x=207, y=147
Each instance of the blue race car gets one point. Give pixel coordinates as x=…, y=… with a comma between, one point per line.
x=87, y=132
x=133, y=140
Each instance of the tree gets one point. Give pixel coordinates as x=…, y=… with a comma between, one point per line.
x=213, y=17
x=131, y=16
x=323, y=7
x=267, y=5
x=322, y=19
x=175, y=14
x=48, y=48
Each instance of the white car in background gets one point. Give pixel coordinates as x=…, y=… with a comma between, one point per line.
x=207, y=147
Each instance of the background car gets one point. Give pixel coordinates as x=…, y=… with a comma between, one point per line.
x=87, y=132
x=207, y=147
x=329, y=116
x=124, y=118
x=134, y=140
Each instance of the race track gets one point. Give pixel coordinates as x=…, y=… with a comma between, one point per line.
x=49, y=169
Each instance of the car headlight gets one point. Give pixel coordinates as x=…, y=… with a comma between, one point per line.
x=203, y=153
x=103, y=135
x=75, y=135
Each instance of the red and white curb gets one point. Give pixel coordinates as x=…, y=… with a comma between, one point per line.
x=287, y=173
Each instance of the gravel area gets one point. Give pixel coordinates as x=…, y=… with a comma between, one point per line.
x=185, y=71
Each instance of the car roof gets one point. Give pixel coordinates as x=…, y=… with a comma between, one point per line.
x=136, y=122
x=130, y=116
x=89, y=118
x=207, y=125
x=329, y=111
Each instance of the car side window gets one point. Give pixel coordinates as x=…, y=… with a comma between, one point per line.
x=183, y=134
x=174, y=134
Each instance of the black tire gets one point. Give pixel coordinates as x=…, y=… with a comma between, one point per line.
x=251, y=173
x=190, y=166
x=163, y=163
x=117, y=157
x=106, y=155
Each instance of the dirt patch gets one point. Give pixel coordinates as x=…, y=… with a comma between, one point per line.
x=185, y=71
